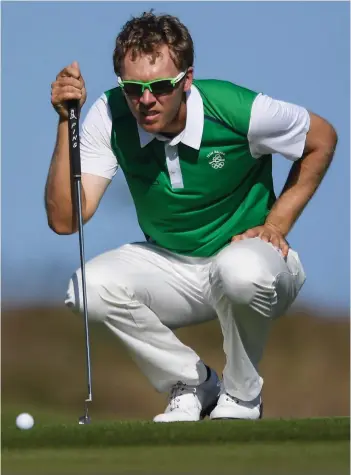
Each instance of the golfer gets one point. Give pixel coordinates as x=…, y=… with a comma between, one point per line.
x=197, y=158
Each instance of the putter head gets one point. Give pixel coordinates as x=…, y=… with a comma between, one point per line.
x=84, y=419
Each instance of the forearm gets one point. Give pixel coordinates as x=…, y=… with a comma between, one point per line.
x=59, y=190
x=304, y=178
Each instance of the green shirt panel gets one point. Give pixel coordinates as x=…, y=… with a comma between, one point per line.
x=227, y=102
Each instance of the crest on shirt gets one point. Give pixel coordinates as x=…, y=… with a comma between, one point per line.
x=216, y=159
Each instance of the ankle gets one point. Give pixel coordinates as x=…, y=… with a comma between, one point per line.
x=208, y=372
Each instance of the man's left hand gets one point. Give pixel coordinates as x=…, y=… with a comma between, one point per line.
x=268, y=233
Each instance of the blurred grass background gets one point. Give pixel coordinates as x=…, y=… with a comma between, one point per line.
x=287, y=458
x=306, y=367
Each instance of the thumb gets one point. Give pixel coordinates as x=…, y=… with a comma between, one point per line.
x=75, y=65
x=253, y=232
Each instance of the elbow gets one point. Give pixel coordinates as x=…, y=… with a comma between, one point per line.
x=60, y=222
x=60, y=228
x=322, y=137
x=330, y=137
x=58, y=225
x=61, y=231
x=333, y=136
x=330, y=143
x=326, y=137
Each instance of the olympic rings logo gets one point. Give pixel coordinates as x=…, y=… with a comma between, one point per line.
x=217, y=161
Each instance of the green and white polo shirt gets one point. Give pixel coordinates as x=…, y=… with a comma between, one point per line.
x=214, y=180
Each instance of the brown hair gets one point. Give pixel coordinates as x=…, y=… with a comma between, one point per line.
x=142, y=34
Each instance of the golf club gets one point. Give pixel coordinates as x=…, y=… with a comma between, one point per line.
x=74, y=152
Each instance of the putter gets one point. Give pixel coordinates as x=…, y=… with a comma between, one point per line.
x=74, y=152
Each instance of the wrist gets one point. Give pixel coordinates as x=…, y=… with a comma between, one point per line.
x=280, y=227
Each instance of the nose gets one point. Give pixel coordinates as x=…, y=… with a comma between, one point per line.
x=147, y=98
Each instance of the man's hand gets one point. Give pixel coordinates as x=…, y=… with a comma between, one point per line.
x=69, y=84
x=267, y=233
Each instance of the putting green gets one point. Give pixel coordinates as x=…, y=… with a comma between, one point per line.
x=132, y=433
x=266, y=447
x=279, y=458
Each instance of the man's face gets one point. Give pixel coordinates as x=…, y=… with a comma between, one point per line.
x=155, y=113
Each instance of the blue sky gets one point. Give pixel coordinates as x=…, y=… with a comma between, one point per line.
x=293, y=51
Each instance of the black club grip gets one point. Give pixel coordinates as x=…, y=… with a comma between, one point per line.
x=73, y=130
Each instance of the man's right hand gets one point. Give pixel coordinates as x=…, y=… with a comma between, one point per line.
x=69, y=84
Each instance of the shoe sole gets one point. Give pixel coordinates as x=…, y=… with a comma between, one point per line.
x=238, y=418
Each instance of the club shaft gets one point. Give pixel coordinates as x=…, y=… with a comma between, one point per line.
x=74, y=152
x=84, y=292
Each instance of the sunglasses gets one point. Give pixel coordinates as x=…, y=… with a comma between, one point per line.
x=157, y=87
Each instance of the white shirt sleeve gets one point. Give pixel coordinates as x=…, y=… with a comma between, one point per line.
x=96, y=154
x=277, y=127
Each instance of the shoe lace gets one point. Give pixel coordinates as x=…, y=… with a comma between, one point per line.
x=178, y=390
x=249, y=404
x=227, y=396
x=230, y=398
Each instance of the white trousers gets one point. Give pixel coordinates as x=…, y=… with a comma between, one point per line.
x=141, y=292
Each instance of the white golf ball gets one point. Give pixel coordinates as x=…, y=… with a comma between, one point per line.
x=24, y=421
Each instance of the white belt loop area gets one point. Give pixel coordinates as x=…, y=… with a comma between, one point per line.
x=173, y=166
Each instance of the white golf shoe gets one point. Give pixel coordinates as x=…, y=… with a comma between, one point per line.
x=229, y=407
x=191, y=403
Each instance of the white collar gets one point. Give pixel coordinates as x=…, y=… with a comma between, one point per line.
x=192, y=134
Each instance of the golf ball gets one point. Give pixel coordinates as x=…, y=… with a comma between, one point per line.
x=24, y=421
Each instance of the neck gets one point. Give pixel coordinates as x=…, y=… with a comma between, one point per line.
x=178, y=123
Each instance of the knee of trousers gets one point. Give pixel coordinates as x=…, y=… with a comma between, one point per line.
x=101, y=294
x=239, y=275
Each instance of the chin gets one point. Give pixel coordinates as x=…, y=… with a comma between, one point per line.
x=154, y=128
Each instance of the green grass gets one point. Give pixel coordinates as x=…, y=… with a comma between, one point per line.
x=132, y=433
x=266, y=447
x=290, y=458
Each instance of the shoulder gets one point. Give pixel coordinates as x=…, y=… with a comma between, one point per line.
x=227, y=101
x=278, y=127
x=271, y=116
x=110, y=105
x=220, y=90
x=116, y=102
x=98, y=115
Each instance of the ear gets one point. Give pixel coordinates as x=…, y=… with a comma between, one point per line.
x=189, y=79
